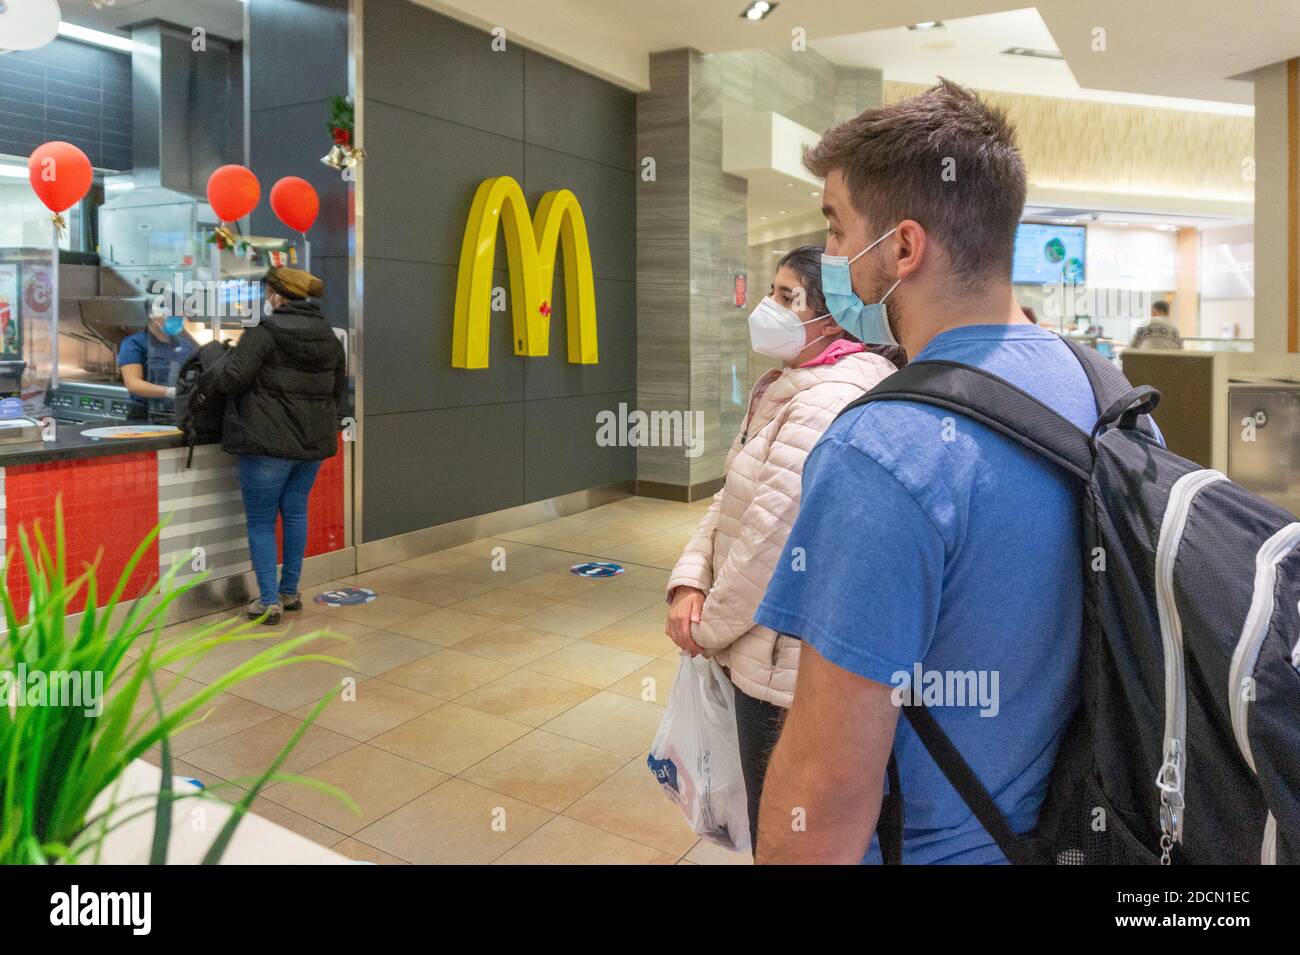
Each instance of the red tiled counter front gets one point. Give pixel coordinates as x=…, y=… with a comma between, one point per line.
x=111, y=502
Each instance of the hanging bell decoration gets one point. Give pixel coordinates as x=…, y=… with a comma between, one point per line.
x=344, y=154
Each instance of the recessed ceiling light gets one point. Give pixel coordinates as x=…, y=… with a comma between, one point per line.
x=764, y=218
x=925, y=25
x=1034, y=54
x=758, y=10
x=780, y=212
x=814, y=193
x=96, y=37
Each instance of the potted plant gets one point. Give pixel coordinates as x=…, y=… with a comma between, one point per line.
x=71, y=716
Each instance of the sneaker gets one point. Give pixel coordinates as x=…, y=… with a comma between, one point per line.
x=291, y=601
x=268, y=615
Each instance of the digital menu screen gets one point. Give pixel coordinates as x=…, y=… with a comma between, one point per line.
x=1048, y=254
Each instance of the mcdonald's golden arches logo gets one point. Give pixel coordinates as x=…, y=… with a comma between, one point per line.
x=531, y=246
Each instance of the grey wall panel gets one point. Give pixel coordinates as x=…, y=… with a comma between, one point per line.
x=443, y=112
x=333, y=271
x=553, y=376
x=301, y=65
x=576, y=113
x=408, y=343
x=437, y=66
x=560, y=449
x=429, y=467
x=421, y=173
x=608, y=199
x=289, y=141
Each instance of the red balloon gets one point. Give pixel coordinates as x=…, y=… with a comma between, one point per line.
x=60, y=174
x=233, y=192
x=295, y=202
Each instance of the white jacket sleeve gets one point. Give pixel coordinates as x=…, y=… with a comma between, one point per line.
x=695, y=567
x=739, y=584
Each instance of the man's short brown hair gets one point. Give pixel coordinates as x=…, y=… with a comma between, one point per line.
x=946, y=159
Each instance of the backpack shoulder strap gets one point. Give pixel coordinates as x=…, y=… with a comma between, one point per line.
x=988, y=399
x=1017, y=849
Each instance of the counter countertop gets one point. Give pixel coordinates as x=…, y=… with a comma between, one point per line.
x=70, y=443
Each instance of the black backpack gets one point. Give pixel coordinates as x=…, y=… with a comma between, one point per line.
x=1186, y=744
x=199, y=408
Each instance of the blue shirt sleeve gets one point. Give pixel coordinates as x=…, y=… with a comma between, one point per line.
x=862, y=572
x=134, y=350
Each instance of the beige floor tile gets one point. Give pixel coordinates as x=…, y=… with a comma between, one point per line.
x=503, y=605
x=217, y=662
x=545, y=770
x=296, y=822
x=527, y=697
x=383, y=612
x=641, y=577
x=457, y=823
x=378, y=707
x=513, y=644
x=710, y=853
x=565, y=841
x=589, y=664
x=443, y=628
x=223, y=716
x=443, y=561
x=370, y=651
x=450, y=738
x=418, y=584
x=248, y=753
x=447, y=674
x=642, y=633
x=570, y=620
x=610, y=721
x=290, y=686
x=558, y=584
x=544, y=535
x=360, y=852
x=632, y=804
x=616, y=597
x=377, y=781
x=652, y=683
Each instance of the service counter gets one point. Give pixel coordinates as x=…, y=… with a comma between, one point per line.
x=114, y=491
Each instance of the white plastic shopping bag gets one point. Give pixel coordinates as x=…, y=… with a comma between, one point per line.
x=696, y=756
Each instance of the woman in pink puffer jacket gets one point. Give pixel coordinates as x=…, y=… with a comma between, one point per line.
x=718, y=582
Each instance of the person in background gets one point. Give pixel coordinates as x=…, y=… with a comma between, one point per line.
x=283, y=384
x=929, y=540
x=1159, y=333
x=719, y=580
x=149, y=361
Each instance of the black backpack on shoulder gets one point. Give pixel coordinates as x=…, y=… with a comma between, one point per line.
x=199, y=408
x=1186, y=744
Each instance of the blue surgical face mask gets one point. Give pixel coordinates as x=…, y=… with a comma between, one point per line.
x=869, y=324
x=173, y=325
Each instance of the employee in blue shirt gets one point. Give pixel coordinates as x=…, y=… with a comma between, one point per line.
x=150, y=361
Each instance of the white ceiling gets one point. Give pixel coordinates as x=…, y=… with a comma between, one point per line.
x=1188, y=49
x=223, y=18
x=969, y=50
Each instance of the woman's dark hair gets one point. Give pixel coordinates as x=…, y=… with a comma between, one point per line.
x=806, y=262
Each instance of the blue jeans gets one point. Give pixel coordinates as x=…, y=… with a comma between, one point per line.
x=274, y=486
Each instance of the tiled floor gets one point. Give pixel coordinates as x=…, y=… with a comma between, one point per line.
x=502, y=712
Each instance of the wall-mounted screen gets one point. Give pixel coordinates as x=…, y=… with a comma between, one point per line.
x=1048, y=254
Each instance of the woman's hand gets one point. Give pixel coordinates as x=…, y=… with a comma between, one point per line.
x=682, y=613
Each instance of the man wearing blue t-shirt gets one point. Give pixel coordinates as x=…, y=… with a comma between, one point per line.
x=929, y=550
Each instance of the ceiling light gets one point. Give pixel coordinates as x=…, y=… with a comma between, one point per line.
x=1035, y=54
x=925, y=25
x=13, y=172
x=764, y=218
x=29, y=26
x=95, y=37
x=780, y=212
x=814, y=193
x=758, y=10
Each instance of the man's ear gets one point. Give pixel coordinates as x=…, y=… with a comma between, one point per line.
x=912, y=243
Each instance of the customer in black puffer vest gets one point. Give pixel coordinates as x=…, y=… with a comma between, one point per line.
x=284, y=383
